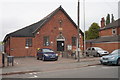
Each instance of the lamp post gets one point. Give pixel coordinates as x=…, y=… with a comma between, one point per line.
x=78, y=40
x=84, y=24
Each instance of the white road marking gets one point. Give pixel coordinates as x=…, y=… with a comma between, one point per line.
x=31, y=77
x=31, y=73
x=35, y=76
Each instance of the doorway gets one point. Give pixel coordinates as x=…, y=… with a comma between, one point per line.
x=60, y=45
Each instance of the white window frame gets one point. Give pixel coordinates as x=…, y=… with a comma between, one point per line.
x=114, y=29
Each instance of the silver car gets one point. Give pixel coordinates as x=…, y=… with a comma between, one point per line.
x=96, y=52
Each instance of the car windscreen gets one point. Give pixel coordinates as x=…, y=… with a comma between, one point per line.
x=98, y=49
x=47, y=50
x=116, y=52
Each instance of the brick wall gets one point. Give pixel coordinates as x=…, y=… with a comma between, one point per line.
x=118, y=31
x=107, y=32
x=52, y=29
x=17, y=47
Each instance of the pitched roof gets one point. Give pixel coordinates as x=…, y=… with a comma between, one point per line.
x=31, y=30
x=112, y=25
x=105, y=39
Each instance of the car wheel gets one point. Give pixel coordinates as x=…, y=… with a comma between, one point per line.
x=101, y=62
x=37, y=58
x=94, y=55
x=87, y=54
x=56, y=59
x=118, y=62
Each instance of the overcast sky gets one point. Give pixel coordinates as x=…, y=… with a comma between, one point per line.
x=16, y=14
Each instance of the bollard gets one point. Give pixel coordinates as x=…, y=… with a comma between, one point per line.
x=62, y=53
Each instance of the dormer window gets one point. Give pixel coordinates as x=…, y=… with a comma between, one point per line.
x=114, y=31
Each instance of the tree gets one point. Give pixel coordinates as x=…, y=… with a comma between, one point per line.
x=86, y=35
x=1, y=43
x=93, y=32
x=108, y=19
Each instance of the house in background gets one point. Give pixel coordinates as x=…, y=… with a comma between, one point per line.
x=109, y=36
x=56, y=31
x=1, y=47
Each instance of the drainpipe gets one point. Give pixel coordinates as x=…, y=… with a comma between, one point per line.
x=9, y=47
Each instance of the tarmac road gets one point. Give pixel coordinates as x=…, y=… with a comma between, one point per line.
x=96, y=71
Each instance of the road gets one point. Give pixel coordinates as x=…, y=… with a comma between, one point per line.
x=96, y=71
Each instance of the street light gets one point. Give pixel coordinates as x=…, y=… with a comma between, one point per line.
x=78, y=40
x=84, y=24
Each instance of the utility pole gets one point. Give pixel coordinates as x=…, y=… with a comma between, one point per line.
x=78, y=40
x=84, y=25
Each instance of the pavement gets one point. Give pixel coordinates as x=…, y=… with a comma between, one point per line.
x=31, y=64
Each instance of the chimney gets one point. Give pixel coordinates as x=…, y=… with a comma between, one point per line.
x=102, y=22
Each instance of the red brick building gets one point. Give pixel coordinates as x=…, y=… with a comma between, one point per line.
x=109, y=36
x=56, y=31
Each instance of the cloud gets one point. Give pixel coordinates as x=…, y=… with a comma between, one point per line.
x=17, y=14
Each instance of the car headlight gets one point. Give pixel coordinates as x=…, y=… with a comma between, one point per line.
x=46, y=54
x=112, y=58
x=56, y=54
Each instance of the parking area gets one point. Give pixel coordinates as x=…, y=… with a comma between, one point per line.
x=30, y=61
x=32, y=64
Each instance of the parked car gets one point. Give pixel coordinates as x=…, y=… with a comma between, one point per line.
x=96, y=52
x=46, y=54
x=113, y=58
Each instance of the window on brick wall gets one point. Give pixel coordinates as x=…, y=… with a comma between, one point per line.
x=74, y=41
x=28, y=43
x=114, y=31
x=46, y=40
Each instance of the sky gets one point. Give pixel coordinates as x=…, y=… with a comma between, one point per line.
x=16, y=14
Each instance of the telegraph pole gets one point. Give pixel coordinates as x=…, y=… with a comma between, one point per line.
x=78, y=40
x=84, y=25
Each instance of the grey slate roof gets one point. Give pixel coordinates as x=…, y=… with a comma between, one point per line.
x=112, y=25
x=31, y=30
x=105, y=39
